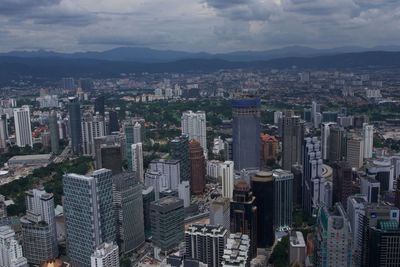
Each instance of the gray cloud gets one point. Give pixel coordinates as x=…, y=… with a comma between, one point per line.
x=12, y=7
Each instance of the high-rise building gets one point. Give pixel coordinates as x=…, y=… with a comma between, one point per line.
x=23, y=131
x=355, y=206
x=137, y=161
x=194, y=125
x=368, y=140
x=227, y=178
x=167, y=216
x=128, y=206
x=371, y=189
x=113, y=121
x=89, y=213
x=54, y=134
x=297, y=171
x=246, y=132
x=10, y=249
x=355, y=152
x=313, y=181
x=382, y=170
x=206, y=243
x=237, y=251
x=197, y=166
x=262, y=185
x=105, y=255
x=110, y=157
x=228, y=149
x=269, y=149
x=148, y=196
x=342, y=182
x=68, y=83
x=283, y=199
x=333, y=238
x=184, y=193
x=133, y=135
x=244, y=214
x=3, y=132
x=92, y=127
x=325, y=138
x=297, y=249
x=39, y=236
x=99, y=105
x=220, y=209
x=179, y=150
x=336, y=144
x=74, y=110
x=292, y=140
x=170, y=169
x=157, y=180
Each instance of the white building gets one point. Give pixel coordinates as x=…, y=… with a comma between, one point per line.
x=10, y=249
x=278, y=115
x=214, y=168
x=157, y=180
x=368, y=138
x=106, y=255
x=137, y=161
x=184, y=193
x=194, y=125
x=170, y=169
x=23, y=131
x=297, y=249
x=325, y=133
x=227, y=179
x=237, y=251
x=92, y=127
x=355, y=152
x=48, y=101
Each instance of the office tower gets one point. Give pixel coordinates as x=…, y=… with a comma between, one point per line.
x=54, y=134
x=148, y=196
x=355, y=152
x=184, y=193
x=157, y=180
x=333, y=238
x=382, y=170
x=89, y=214
x=283, y=199
x=194, y=125
x=170, y=169
x=92, y=127
x=307, y=115
x=167, y=216
x=358, y=121
x=371, y=189
x=39, y=237
x=74, y=111
x=3, y=133
x=313, y=180
x=86, y=84
x=99, y=105
x=206, y=243
x=325, y=138
x=329, y=116
x=197, y=166
x=220, y=209
x=277, y=116
x=326, y=196
x=297, y=171
x=355, y=206
x=227, y=178
x=110, y=157
x=68, y=83
x=292, y=139
x=137, y=161
x=133, y=135
x=237, y=251
x=262, y=185
x=368, y=140
x=23, y=131
x=269, y=149
x=336, y=144
x=113, y=121
x=342, y=182
x=297, y=249
x=105, y=255
x=244, y=214
x=128, y=207
x=179, y=150
x=384, y=244
x=10, y=249
x=228, y=148
x=246, y=132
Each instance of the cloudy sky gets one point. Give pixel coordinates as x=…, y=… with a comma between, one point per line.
x=196, y=25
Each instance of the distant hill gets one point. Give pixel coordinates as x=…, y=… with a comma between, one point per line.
x=55, y=67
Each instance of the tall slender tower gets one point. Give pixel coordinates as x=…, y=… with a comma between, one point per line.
x=23, y=131
x=74, y=110
x=3, y=133
x=368, y=137
x=197, y=166
x=246, y=133
x=137, y=161
x=179, y=150
x=92, y=127
x=54, y=134
x=293, y=135
x=194, y=125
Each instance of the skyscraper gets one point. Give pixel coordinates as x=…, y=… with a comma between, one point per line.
x=10, y=249
x=368, y=138
x=137, y=161
x=325, y=138
x=206, y=243
x=39, y=227
x=170, y=168
x=220, y=209
x=355, y=152
x=179, y=150
x=23, y=131
x=342, y=185
x=105, y=255
x=99, y=105
x=128, y=206
x=89, y=213
x=297, y=171
x=337, y=144
x=246, y=132
x=283, y=199
x=157, y=180
x=292, y=140
x=54, y=134
x=194, y=125
x=244, y=214
x=74, y=110
x=227, y=178
x=262, y=185
x=197, y=166
x=3, y=132
x=148, y=197
x=92, y=127
x=113, y=121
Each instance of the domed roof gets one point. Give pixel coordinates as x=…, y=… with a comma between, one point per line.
x=241, y=185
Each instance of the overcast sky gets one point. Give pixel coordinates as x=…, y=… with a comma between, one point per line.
x=196, y=25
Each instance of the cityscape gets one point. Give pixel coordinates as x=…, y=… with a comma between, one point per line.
x=156, y=154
